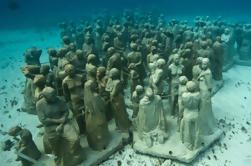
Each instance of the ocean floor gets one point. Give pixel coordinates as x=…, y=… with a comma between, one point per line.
x=231, y=106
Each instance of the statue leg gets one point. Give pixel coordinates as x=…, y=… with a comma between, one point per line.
x=70, y=134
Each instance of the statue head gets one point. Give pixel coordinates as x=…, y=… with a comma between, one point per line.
x=101, y=72
x=191, y=86
x=111, y=50
x=183, y=80
x=114, y=73
x=139, y=89
x=176, y=59
x=91, y=58
x=204, y=63
x=39, y=80
x=70, y=70
x=66, y=40
x=26, y=136
x=133, y=46
x=161, y=63
x=49, y=94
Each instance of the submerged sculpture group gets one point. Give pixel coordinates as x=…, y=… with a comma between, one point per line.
x=168, y=69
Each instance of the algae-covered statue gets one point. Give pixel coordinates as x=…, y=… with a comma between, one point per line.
x=217, y=60
x=96, y=123
x=157, y=78
x=175, y=71
x=207, y=122
x=29, y=72
x=25, y=145
x=115, y=87
x=73, y=88
x=182, y=88
x=137, y=95
x=32, y=56
x=151, y=122
x=102, y=79
x=62, y=136
x=189, y=130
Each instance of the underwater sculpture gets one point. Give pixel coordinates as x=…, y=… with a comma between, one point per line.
x=102, y=79
x=175, y=70
x=207, y=122
x=182, y=88
x=62, y=136
x=189, y=130
x=151, y=122
x=137, y=95
x=29, y=104
x=217, y=59
x=141, y=49
x=157, y=78
x=25, y=146
x=91, y=68
x=96, y=123
x=117, y=100
x=32, y=56
x=73, y=88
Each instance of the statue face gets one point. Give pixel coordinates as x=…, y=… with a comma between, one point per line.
x=204, y=65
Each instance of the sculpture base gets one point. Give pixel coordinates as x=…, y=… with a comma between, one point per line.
x=242, y=62
x=216, y=86
x=91, y=157
x=173, y=148
x=227, y=66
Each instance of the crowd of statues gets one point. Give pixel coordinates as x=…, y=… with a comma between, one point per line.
x=140, y=51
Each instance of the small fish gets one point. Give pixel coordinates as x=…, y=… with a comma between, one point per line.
x=51, y=156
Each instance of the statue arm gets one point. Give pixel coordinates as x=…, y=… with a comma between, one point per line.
x=66, y=92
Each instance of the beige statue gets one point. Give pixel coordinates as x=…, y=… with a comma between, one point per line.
x=96, y=123
x=115, y=87
x=73, y=88
x=189, y=131
x=29, y=104
x=175, y=71
x=182, y=88
x=137, y=95
x=151, y=121
x=62, y=136
x=207, y=122
x=157, y=78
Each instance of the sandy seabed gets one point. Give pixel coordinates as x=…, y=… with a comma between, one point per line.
x=231, y=106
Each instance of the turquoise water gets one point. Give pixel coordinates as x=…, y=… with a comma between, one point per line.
x=47, y=12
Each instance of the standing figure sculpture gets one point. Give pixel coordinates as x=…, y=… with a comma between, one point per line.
x=175, y=70
x=61, y=135
x=182, y=89
x=151, y=121
x=73, y=88
x=189, y=131
x=115, y=87
x=96, y=123
x=207, y=120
